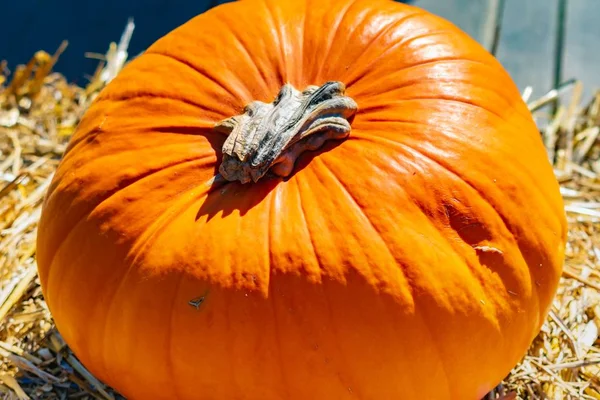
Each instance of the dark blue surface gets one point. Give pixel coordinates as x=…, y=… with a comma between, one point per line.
x=89, y=26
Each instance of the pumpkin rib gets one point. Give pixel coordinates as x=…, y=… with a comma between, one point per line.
x=132, y=265
x=471, y=259
x=269, y=253
x=202, y=159
x=115, y=374
x=294, y=183
x=397, y=47
x=150, y=96
x=445, y=32
x=249, y=58
x=491, y=90
x=434, y=98
x=277, y=336
x=125, y=178
x=204, y=128
x=204, y=73
x=461, y=179
x=359, y=211
x=432, y=338
x=170, y=344
x=299, y=186
x=145, y=240
x=382, y=32
x=445, y=361
x=86, y=214
x=370, y=119
x=332, y=266
x=408, y=68
x=54, y=282
x=87, y=134
x=337, y=346
x=333, y=31
x=404, y=70
x=289, y=40
x=302, y=202
x=385, y=29
x=302, y=43
x=441, y=164
x=45, y=279
x=192, y=158
x=505, y=221
x=476, y=274
x=81, y=144
x=186, y=130
x=406, y=39
x=450, y=249
x=51, y=276
x=408, y=279
x=142, y=68
x=270, y=293
x=107, y=350
x=279, y=43
x=440, y=98
x=525, y=170
x=383, y=104
x=533, y=181
x=424, y=316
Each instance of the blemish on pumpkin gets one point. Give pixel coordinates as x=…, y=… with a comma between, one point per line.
x=196, y=302
x=467, y=226
x=488, y=249
x=102, y=123
x=511, y=293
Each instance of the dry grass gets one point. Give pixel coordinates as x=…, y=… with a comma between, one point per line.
x=39, y=111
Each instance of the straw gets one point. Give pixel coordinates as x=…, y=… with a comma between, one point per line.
x=39, y=111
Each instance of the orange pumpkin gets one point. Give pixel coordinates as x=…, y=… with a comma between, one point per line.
x=304, y=200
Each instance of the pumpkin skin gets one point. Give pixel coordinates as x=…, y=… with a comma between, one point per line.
x=416, y=259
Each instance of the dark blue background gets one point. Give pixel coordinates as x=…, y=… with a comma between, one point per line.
x=89, y=26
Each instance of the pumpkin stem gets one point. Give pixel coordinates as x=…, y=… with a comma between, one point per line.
x=271, y=136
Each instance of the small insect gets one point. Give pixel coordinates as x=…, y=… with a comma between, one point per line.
x=196, y=302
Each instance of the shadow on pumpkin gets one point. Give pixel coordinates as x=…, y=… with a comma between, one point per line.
x=226, y=197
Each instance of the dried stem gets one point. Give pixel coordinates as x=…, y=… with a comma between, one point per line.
x=271, y=136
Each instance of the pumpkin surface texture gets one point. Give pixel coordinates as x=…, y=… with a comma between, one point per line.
x=304, y=200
